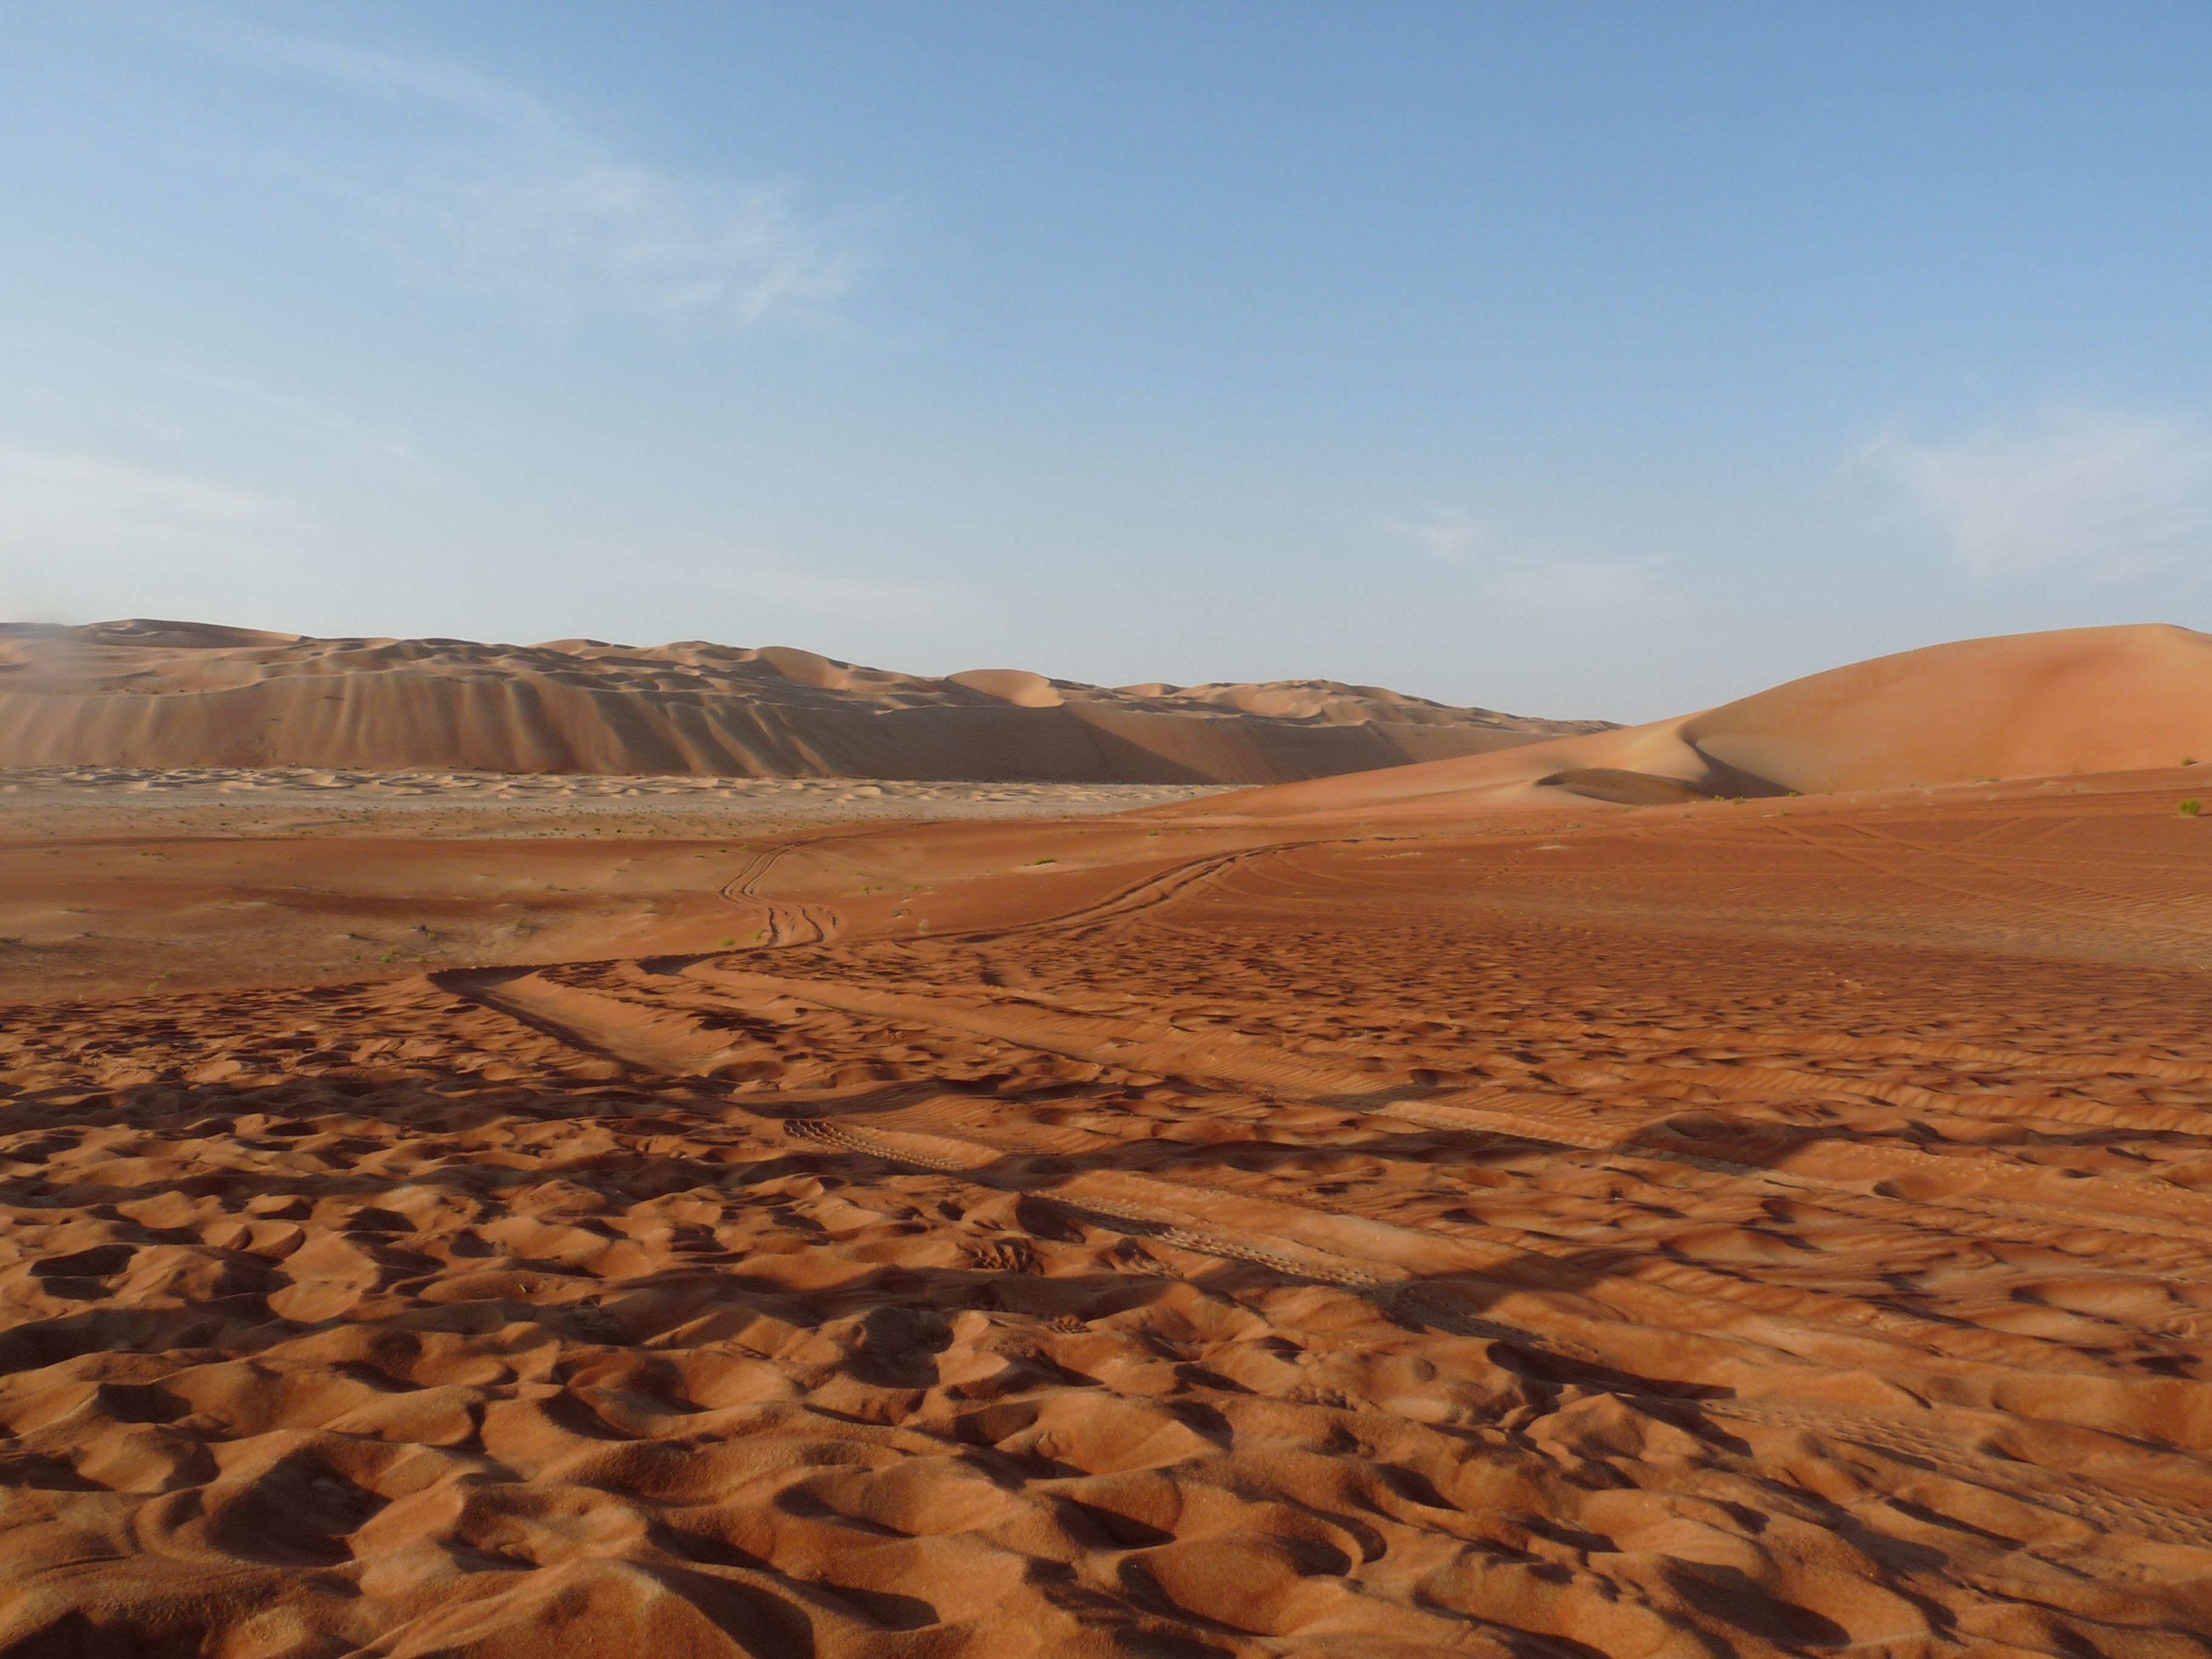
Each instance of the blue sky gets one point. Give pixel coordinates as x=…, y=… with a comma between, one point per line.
x=1574, y=359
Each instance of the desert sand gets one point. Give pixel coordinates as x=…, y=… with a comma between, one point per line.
x=163, y=695
x=2018, y=706
x=1489, y=1220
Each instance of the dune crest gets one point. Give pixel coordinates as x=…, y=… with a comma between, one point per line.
x=165, y=694
x=2085, y=700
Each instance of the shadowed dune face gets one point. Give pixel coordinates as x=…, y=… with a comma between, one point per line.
x=2092, y=700
x=1755, y=1229
x=166, y=695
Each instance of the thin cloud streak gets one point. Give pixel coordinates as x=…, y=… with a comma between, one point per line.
x=1553, y=587
x=761, y=576
x=2104, y=495
x=301, y=415
x=1446, y=538
x=496, y=181
x=1570, y=591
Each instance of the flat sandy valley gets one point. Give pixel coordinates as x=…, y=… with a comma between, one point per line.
x=681, y=1224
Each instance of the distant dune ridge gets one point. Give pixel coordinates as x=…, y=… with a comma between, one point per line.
x=172, y=694
x=168, y=694
x=2017, y=706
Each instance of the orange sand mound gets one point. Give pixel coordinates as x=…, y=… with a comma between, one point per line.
x=2021, y=705
x=166, y=695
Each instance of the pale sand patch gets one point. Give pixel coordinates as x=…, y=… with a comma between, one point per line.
x=303, y=798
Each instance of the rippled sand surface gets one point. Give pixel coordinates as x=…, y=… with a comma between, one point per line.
x=1760, y=1228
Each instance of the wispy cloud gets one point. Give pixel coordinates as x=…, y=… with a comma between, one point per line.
x=77, y=528
x=473, y=173
x=1447, y=537
x=301, y=415
x=1587, y=590
x=765, y=580
x=1552, y=587
x=2099, y=493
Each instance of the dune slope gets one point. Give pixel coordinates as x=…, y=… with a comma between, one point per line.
x=2084, y=700
x=156, y=695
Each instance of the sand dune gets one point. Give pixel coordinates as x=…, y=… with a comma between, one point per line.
x=157, y=694
x=2090, y=700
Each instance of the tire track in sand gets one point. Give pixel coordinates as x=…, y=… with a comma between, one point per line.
x=1147, y=893
x=1390, y=1264
x=789, y=922
x=2154, y=1209
x=668, y=1041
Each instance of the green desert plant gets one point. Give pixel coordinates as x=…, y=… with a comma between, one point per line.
x=2191, y=807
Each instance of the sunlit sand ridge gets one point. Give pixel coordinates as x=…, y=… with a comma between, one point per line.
x=1380, y=1216
x=159, y=694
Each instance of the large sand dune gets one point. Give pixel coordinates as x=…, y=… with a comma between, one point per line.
x=2018, y=706
x=165, y=694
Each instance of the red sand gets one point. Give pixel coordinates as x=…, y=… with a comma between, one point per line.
x=1705, y=1229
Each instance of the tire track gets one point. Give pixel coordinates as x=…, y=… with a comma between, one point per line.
x=2105, y=1507
x=1146, y=894
x=1361, y=1253
x=1385, y=1261
x=1303, y=1240
x=1331, y=1244
x=1837, y=1043
x=789, y=922
x=1131, y=1044
x=1747, y=1082
x=1971, y=899
x=1997, y=864
x=634, y=1035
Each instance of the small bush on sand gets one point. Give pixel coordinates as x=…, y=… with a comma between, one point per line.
x=2191, y=807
